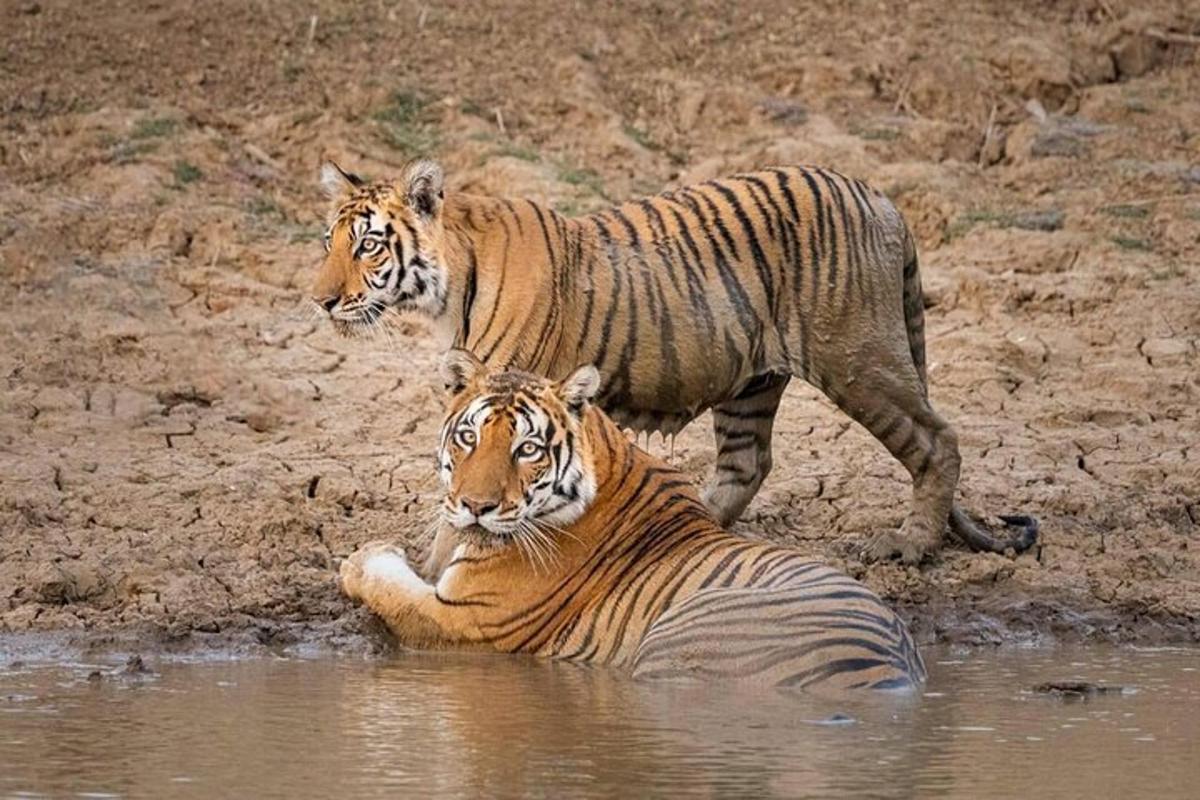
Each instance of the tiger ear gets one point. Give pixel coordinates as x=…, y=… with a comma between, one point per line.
x=579, y=388
x=423, y=185
x=337, y=182
x=459, y=368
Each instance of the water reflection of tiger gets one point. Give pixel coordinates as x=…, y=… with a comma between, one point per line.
x=577, y=545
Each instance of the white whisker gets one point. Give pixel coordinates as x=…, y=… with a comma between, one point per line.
x=535, y=560
x=527, y=551
x=551, y=527
x=546, y=544
x=536, y=544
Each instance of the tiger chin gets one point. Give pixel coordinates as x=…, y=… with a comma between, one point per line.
x=710, y=296
x=576, y=545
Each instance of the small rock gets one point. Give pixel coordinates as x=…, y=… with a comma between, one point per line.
x=64, y=582
x=1050, y=220
x=1057, y=142
x=31, y=9
x=1044, y=135
x=1025, y=351
x=1076, y=690
x=785, y=112
x=262, y=422
x=1136, y=55
x=134, y=665
x=219, y=305
x=1093, y=68
x=95, y=676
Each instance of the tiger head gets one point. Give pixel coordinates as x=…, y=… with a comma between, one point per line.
x=383, y=247
x=513, y=455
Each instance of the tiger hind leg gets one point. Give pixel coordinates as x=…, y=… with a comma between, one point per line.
x=743, y=427
x=900, y=417
x=891, y=404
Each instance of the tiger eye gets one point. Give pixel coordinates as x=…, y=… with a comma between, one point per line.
x=529, y=450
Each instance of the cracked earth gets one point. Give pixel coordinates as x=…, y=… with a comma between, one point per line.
x=186, y=451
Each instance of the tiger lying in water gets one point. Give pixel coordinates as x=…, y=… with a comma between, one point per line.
x=708, y=296
x=577, y=545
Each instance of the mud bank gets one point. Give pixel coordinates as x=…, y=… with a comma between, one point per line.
x=186, y=452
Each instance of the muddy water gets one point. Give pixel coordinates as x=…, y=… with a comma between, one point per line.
x=497, y=727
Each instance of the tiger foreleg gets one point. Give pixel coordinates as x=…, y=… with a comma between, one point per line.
x=378, y=575
x=743, y=427
x=440, y=552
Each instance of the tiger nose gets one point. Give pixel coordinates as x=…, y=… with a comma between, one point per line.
x=479, y=507
x=328, y=303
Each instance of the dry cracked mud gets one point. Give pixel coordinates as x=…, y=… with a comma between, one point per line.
x=186, y=451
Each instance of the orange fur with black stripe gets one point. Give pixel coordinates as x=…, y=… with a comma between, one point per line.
x=710, y=296
x=577, y=545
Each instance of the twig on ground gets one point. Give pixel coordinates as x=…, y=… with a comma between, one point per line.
x=987, y=135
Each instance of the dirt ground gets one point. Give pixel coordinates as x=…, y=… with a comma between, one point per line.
x=186, y=452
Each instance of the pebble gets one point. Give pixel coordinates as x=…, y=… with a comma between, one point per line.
x=1050, y=220
x=1057, y=143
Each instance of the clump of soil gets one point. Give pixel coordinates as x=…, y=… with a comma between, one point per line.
x=186, y=452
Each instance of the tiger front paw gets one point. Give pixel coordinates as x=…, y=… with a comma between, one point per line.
x=364, y=564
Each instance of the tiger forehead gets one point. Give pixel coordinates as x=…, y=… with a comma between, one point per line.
x=513, y=382
x=377, y=194
x=516, y=405
x=378, y=214
x=512, y=407
x=362, y=218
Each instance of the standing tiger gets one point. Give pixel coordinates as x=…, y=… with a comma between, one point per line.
x=708, y=296
x=577, y=545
